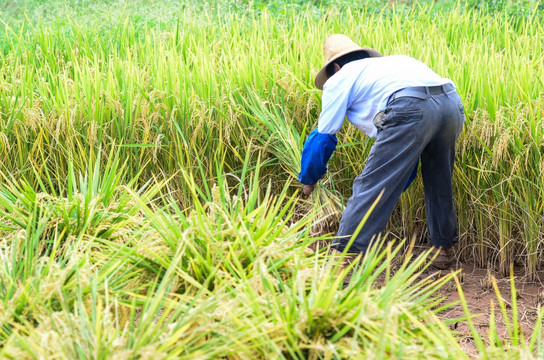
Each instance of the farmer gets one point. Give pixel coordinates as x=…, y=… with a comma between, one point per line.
x=413, y=114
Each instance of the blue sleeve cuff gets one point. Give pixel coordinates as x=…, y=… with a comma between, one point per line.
x=412, y=177
x=316, y=153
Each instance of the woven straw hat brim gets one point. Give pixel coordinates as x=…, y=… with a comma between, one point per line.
x=322, y=76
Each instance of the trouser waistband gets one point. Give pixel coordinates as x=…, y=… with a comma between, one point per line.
x=421, y=92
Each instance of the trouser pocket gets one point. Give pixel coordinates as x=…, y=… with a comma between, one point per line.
x=378, y=120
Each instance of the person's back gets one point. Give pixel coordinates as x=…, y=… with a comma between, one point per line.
x=367, y=84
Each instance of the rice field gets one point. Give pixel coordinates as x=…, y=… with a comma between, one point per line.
x=149, y=206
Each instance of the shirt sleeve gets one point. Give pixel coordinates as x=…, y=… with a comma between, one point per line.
x=315, y=155
x=412, y=177
x=321, y=143
x=335, y=102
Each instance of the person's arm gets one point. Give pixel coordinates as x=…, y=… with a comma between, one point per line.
x=321, y=142
x=317, y=151
x=412, y=177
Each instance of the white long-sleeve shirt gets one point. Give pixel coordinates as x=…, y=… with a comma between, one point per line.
x=360, y=89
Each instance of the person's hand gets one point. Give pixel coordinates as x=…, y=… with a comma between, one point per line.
x=307, y=189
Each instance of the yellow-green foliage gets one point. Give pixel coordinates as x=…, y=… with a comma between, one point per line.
x=148, y=203
x=208, y=87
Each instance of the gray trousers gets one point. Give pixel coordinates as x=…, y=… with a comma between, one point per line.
x=412, y=129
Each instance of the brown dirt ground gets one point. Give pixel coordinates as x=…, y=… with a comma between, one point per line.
x=481, y=299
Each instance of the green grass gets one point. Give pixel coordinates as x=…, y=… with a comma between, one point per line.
x=148, y=198
x=232, y=277
x=75, y=88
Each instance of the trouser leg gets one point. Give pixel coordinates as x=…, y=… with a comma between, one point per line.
x=412, y=128
x=437, y=163
x=390, y=163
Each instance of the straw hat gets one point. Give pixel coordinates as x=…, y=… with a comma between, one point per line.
x=335, y=46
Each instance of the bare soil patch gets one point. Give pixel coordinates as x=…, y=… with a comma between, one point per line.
x=482, y=300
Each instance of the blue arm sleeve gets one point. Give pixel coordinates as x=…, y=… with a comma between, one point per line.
x=316, y=153
x=412, y=177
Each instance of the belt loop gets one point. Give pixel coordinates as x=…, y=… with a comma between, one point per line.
x=391, y=97
x=427, y=91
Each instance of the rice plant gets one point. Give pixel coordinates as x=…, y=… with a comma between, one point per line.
x=233, y=277
x=71, y=91
x=148, y=197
